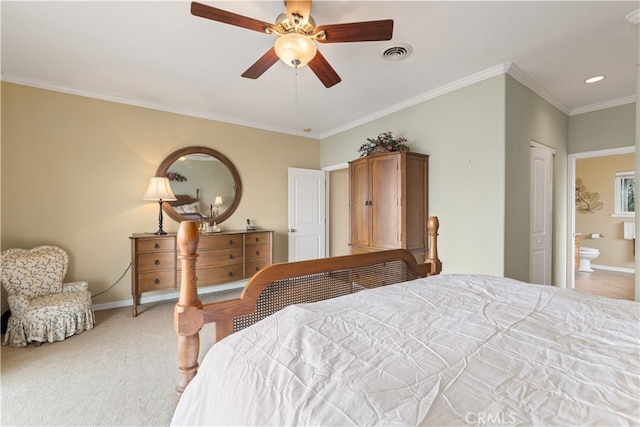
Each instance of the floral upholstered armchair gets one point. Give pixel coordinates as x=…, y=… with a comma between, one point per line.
x=43, y=308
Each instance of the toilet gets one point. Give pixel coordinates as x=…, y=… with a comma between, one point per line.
x=586, y=256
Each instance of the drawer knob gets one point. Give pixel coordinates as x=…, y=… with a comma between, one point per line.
x=230, y=242
x=157, y=246
x=157, y=281
x=157, y=262
x=257, y=239
x=230, y=273
x=230, y=256
x=257, y=268
x=257, y=252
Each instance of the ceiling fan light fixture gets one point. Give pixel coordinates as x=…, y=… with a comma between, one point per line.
x=295, y=50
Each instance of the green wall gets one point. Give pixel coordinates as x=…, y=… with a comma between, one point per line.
x=531, y=118
x=464, y=133
x=603, y=129
x=478, y=140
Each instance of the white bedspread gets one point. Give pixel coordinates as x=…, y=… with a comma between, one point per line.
x=447, y=350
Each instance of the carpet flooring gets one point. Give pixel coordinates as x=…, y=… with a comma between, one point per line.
x=121, y=373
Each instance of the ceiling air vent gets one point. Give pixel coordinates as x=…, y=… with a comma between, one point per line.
x=396, y=52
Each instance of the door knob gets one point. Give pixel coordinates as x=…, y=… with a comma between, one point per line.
x=292, y=230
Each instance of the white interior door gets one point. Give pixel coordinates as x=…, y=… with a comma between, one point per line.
x=307, y=214
x=541, y=215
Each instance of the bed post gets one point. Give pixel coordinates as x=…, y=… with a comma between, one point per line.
x=432, y=253
x=187, y=314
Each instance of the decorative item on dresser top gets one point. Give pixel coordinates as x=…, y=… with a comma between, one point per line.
x=159, y=190
x=225, y=257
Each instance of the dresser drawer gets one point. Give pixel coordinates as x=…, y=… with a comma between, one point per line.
x=213, y=276
x=252, y=267
x=219, y=258
x=257, y=238
x=254, y=252
x=156, y=245
x=156, y=280
x=156, y=261
x=222, y=258
x=218, y=242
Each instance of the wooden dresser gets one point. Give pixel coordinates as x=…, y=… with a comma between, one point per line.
x=223, y=257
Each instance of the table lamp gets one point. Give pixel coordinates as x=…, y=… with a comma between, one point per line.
x=159, y=190
x=218, y=203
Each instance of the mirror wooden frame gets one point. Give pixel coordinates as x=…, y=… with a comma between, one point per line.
x=173, y=157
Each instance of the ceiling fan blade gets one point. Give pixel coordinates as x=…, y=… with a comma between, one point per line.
x=261, y=65
x=324, y=71
x=215, y=14
x=298, y=11
x=367, y=31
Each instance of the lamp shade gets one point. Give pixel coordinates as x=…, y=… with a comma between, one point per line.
x=218, y=201
x=295, y=50
x=159, y=189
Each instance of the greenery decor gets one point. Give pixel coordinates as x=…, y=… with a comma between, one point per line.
x=383, y=142
x=173, y=176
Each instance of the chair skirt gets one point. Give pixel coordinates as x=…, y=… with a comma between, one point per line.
x=51, y=318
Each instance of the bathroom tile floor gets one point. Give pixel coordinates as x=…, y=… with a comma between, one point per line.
x=607, y=283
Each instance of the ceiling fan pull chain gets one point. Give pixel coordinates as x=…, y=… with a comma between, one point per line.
x=295, y=81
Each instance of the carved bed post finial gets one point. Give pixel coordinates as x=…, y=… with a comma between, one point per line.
x=432, y=253
x=187, y=314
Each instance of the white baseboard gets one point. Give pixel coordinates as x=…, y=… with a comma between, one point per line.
x=169, y=295
x=618, y=269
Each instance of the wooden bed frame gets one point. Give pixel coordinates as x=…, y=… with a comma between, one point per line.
x=185, y=199
x=279, y=285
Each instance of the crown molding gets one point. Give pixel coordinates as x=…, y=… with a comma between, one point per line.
x=150, y=105
x=517, y=73
x=601, y=106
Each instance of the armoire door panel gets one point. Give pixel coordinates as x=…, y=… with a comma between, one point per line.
x=385, y=204
x=359, y=196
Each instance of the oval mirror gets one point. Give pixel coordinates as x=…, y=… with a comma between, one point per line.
x=205, y=182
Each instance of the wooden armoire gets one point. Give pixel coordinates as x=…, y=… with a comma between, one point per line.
x=388, y=198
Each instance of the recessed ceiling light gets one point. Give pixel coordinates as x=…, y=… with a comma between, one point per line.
x=594, y=79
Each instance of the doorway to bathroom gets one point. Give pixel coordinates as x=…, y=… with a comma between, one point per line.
x=597, y=224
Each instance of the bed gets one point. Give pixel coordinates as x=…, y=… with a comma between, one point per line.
x=188, y=206
x=436, y=349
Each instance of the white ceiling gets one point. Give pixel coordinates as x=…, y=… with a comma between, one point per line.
x=158, y=55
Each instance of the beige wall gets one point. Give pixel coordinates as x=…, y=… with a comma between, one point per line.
x=74, y=170
x=339, y=212
x=598, y=175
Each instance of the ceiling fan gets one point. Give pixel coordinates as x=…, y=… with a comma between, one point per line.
x=297, y=33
